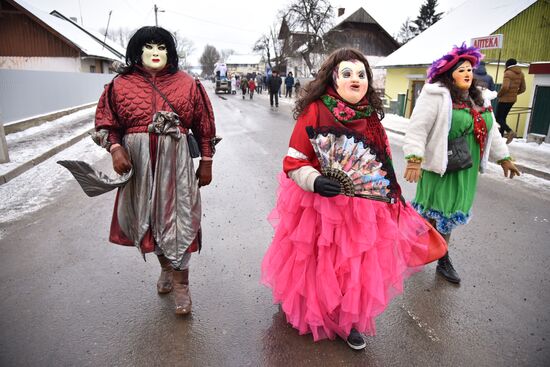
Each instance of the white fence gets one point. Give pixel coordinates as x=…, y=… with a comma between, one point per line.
x=28, y=93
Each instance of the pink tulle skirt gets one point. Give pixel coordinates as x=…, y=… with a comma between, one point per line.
x=336, y=263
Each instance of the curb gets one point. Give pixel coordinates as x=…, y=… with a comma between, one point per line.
x=36, y=121
x=532, y=171
x=521, y=167
x=10, y=175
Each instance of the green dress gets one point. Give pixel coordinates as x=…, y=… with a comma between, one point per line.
x=448, y=199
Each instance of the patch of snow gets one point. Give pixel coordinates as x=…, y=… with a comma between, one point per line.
x=36, y=188
x=29, y=144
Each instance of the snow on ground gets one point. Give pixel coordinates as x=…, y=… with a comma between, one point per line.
x=32, y=142
x=35, y=188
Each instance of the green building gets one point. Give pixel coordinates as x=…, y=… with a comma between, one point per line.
x=525, y=29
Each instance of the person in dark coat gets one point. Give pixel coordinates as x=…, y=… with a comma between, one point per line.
x=273, y=86
x=483, y=79
x=289, y=83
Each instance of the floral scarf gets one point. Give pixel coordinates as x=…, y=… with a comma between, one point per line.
x=344, y=111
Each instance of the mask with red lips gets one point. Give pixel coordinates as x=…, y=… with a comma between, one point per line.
x=154, y=57
x=351, y=81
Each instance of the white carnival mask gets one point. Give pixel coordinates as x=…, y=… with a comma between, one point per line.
x=352, y=82
x=154, y=57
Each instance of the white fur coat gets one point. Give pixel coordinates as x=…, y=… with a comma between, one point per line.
x=429, y=126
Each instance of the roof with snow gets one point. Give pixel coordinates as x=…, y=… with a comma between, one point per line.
x=89, y=42
x=459, y=25
x=244, y=59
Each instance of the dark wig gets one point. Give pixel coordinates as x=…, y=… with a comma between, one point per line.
x=317, y=87
x=156, y=35
x=457, y=95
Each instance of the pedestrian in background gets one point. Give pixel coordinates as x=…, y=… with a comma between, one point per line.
x=259, y=84
x=274, y=86
x=244, y=86
x=233, y=84
x=145, y=114
x=251, y=87
x=513, y=84
x=451, y=108
x=289, y=84
x=336, y=261
x=483, y=79
x=264, y=82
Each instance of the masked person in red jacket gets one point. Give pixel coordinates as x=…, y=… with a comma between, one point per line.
x=337, y=260
x=145, y=115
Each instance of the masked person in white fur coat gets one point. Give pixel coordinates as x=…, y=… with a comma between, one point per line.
x=451, y=106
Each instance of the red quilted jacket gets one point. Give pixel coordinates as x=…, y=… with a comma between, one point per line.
x=134, y=101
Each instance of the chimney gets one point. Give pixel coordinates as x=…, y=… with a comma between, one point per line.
x=341, y=11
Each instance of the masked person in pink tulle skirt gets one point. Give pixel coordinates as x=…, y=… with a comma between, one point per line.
x=337, y=260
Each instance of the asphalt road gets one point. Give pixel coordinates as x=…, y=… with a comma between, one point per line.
x=69, y=298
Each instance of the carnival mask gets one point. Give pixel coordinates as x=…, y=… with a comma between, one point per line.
x=463, y=75
x=154, y=56
x=351, y=81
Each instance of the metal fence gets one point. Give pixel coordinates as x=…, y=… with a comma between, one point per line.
x=28, y=93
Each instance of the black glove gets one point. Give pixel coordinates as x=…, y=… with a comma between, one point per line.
x=326, y=186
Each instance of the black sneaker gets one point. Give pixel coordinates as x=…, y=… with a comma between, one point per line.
x=355, y=340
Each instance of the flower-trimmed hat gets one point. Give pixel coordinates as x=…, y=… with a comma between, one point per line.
x=449, y=60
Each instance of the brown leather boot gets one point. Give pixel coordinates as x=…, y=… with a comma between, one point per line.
x=182, y=296
x=166, y=278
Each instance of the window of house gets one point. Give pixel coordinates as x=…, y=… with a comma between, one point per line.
x=92, y=68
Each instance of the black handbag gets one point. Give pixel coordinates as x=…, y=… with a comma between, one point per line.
x=194, y=150
x=458, y=155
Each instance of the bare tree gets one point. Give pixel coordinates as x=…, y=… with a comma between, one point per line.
x=270, y=46
x=225, y=53
x=119, y=35
x=208, y=59
x=263, y=45
x=407, y=31
x=184, y=48
x=314, y=17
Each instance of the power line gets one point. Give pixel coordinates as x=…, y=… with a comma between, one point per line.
x=211, y=22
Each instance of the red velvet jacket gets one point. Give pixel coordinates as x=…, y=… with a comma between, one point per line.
x=134, y=102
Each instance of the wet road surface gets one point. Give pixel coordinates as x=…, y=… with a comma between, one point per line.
x=69, y=298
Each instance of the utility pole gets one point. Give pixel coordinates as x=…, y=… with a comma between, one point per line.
x=157, y=10
x=106, y=29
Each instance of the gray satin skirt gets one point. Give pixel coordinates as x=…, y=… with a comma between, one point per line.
x=168, y=203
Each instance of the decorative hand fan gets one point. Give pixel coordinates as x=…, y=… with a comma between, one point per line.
x=349, y=159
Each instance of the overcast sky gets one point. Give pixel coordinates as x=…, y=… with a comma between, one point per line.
x=224, y=24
